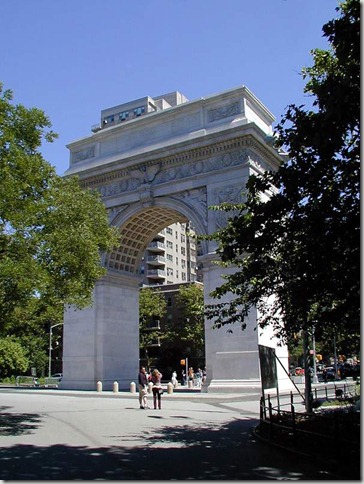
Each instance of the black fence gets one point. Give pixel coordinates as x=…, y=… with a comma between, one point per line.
x=331, y=431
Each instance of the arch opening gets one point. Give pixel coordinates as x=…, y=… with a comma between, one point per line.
x=136, y=233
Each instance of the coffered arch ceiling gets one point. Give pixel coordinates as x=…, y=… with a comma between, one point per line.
x=136, y=233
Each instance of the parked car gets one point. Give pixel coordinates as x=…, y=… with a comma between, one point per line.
x=329, y=371
x=299, y=371
x=57, y=375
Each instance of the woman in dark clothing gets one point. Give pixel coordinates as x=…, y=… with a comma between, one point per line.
x=157, y=388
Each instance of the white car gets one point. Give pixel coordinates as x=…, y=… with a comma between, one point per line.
x=57, y=375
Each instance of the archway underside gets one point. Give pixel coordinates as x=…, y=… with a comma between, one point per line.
x=136, y=234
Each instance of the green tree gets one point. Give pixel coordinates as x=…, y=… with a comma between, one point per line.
x=13, y=358
x=190, y=301
x=298, y=252
x=185, y=333
x=52, y=232
x=152, y=307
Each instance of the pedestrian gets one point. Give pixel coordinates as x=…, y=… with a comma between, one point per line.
x=174, y=379
x=199, y=377
x=157, y=388
x=143, y=388
x=191, y=375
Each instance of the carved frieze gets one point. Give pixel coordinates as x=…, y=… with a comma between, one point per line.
x=84, y=154
x=223, y=112
x=156, y=174
x=183, y=165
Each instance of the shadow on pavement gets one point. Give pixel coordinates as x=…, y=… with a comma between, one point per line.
x=17, y=424
x=216, y=452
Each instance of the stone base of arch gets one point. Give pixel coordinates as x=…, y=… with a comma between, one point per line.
x=232, y=354
x=101, y=342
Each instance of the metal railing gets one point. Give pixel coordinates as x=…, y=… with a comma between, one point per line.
x=330, y=429
x=26, y=381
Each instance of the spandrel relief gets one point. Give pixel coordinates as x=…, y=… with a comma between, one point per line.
x=230, y=194
x=114, y=212
x=195, y=199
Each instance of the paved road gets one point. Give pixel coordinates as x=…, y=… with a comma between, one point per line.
x=63, y=435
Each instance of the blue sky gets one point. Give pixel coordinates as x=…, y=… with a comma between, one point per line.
x=73, y=58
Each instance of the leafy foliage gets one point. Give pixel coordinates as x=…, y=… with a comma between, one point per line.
x=152, y=307
x=185, y=334
x=52, y=232
x=190, y=301
x=13, y=358
x=297, y=251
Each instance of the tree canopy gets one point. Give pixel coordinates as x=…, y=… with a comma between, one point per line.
x=52, y=232
x=152, y=308
x=297, y=253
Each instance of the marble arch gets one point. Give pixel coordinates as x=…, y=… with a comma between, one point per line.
x=168, y=165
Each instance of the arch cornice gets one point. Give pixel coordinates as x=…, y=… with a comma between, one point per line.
x=148, y=169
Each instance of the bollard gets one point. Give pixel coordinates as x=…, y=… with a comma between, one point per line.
x=99, y=386
x=115, y=387
x=170, y=388
x=132, y=387
x=150, y=386
x=190, y=384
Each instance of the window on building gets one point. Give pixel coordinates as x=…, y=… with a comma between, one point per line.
x=183, y=251
x=123, y=115
x=183, y=239
x=170, y=257
x=169, y=244
x=139, y=111
x=169, y=231
x=184, y=278
x=108, y=119
x=177, y=248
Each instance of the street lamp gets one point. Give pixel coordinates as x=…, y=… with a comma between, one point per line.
x=315, y=379
x=50, y=349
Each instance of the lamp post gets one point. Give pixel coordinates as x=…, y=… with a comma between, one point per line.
x=315, y=379
x=335, y=358
x=187, y=321
x=50, y=349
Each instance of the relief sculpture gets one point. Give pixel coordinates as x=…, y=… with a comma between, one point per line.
x=197, y=200
x=229, y=194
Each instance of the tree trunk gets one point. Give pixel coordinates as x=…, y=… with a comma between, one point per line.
x=306, y=357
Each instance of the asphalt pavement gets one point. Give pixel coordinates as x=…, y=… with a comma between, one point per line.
x=89, y=435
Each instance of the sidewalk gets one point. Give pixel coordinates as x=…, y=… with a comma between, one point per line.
x=51, y=434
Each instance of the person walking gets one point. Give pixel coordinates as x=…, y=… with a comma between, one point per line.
x=174, y=379
x=191, y=376
x=157, y=388
x=143, y=388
